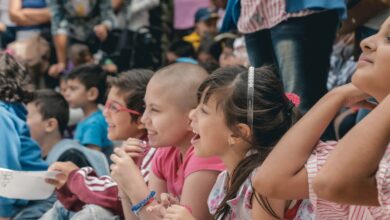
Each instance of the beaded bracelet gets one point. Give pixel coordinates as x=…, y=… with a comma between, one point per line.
x=137, y=207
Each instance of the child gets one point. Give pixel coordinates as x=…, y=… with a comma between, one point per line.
x=80, y=189
x=205, y=23
x=18, y=151
x=86, y=88
x=170, y=95
x=47, y=118
x=180, y=50
x=242, y=135
x=353, y=172
x=80, y=54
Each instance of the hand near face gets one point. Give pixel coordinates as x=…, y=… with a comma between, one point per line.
x=354, y=97
x=65, y=168
x=123, y=169
x=134, y=147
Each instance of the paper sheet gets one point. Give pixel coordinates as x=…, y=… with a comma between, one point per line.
x=25, y=185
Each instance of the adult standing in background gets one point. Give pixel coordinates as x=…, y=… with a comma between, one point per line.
x=297, y=37
x=81, y=21
x=30, y=17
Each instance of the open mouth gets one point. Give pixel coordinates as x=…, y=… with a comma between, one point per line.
x=196, y=138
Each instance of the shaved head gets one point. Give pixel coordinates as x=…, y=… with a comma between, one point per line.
x=180, y=82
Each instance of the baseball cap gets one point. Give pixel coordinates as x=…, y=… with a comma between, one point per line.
x=204, y=14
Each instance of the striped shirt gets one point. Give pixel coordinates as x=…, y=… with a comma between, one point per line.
x=330, y=210
x=264, y=14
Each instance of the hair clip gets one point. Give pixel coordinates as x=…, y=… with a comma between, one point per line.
x=294, y=98
x=251, y=85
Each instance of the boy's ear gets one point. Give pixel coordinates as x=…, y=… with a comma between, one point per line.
x=140, y=125
x=92, y=94
x=51, y=125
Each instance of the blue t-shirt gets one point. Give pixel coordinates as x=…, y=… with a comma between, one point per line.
x=93, y=131
x=17, y=150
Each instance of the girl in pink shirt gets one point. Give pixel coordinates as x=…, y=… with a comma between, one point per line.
x=239, y=118
x=349, y=179
x=169, y=97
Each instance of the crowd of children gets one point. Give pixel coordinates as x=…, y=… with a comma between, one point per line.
x=205, y=137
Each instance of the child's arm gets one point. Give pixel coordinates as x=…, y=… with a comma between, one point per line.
x=284, y=169
x=196, y=189
x=77, y=187
x=350, y=169
x=129, y=178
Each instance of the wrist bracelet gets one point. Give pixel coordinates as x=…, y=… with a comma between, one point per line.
x=137, y=207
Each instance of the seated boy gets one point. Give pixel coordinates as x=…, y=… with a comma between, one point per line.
x=79, y=190
x=47, y=118
x=86, y=88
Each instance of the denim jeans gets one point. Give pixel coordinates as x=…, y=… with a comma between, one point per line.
x=89, y=212
x=35, y=209
x=300, y=49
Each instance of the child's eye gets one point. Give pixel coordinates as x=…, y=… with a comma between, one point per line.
x=203, y=110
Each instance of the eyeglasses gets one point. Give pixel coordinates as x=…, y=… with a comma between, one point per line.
x=115, y=107
x=251, y=85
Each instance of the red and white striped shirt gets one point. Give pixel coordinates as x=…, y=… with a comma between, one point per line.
x=264, y=14
x=330, y=210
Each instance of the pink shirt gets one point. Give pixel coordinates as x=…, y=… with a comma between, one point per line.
x=258, y=15
x=184, y=12
x=330, y=210
x=168, y=166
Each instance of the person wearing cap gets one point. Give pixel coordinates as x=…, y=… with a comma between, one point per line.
x=205, y=23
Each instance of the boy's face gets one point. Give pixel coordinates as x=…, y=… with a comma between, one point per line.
x=120, y=123
x=166, y=123
x=75, y=93
x=63, y=87
x=35, y=122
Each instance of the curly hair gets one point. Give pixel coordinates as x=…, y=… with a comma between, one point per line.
x=14, y=80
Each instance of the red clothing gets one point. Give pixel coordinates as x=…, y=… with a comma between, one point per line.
x=85, y=187
x=168, y=166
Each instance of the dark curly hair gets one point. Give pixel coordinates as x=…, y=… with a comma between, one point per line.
x=14, y=80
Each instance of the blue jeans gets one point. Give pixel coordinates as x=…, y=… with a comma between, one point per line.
x=300, y=50
x=35, y=209
x=89, y=212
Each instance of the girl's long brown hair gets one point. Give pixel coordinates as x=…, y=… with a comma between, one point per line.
x=272, y=117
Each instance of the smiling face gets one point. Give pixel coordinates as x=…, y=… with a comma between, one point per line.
x=167, y=123
x=373, y=69
x=209, y=125
x=120, y=123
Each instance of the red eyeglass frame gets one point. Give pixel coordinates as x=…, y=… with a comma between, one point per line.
x=121, y=108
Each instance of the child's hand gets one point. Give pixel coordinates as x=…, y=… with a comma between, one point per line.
x=178, y=212
x=134, y=147
x=166, y=200
x=65, y=168
x=354, y=97
x=124, y=171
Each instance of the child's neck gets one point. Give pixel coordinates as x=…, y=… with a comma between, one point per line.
x=184, y=145
x=49, y=141
x=89, y=108
x=231, y=160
